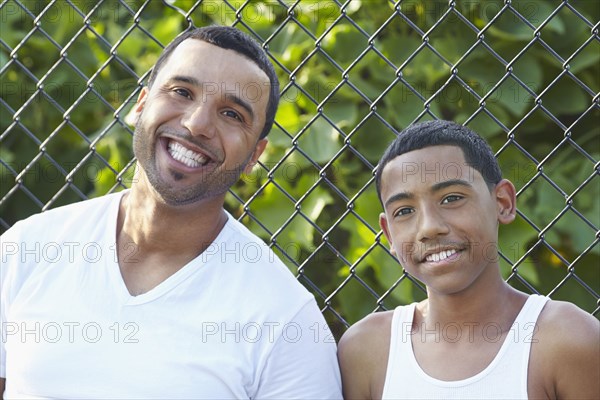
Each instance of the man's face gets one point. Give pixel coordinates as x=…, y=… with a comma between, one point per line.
x=199, y=124
x=441, y=218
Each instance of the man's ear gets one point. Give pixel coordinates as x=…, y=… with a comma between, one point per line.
x=506, y=199
x=383, y=223
x=258, y=150
x=141, y=100
x=134, y=113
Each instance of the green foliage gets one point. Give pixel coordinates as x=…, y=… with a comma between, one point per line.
x=347, y=86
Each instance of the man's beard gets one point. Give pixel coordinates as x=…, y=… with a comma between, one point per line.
x=214, y=183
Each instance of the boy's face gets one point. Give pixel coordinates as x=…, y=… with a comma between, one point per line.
x=441, y=218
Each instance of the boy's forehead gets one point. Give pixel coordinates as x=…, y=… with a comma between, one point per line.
x=437, y=152
x=427, y=166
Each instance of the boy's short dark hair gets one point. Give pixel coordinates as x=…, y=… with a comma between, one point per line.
x=476, y=151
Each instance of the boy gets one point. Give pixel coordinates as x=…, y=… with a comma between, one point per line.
x=474, y=336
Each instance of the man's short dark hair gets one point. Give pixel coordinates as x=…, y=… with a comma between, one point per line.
x=476, y=151
x=230, y=38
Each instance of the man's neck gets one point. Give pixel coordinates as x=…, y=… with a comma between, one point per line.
x=156, y=227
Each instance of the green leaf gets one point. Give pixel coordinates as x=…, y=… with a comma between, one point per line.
x=399, y=52
x=556, y=99
x=513, y=242
x=483, y=124
x=484, y=74
x=320, y=141
x=288, y=116
x=168, y=28
x=589, y=56
x=529, y=71
x=509, y=26
x=342, y=114
x=344, y=43
x=373, y=137
x=3, y=59
x=402, y=106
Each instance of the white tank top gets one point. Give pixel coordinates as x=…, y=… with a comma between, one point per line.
x=504, y=378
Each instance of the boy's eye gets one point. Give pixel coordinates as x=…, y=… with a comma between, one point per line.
x=403, y=211
x=451, y=198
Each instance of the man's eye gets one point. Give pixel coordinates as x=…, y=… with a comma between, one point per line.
x=403, y=211
x=451, y=198
x=183, y=92
x=232, y=114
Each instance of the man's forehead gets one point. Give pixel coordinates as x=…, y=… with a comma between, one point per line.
x=196, y=55
x=216, y=71
x=191, y=45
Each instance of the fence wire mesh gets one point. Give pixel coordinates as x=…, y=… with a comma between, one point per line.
x=524, y=74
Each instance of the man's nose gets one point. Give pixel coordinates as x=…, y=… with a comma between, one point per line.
x=199, y=120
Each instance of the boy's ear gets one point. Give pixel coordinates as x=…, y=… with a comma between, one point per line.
x=506, y=198
x=384, y=227
x=258, y=150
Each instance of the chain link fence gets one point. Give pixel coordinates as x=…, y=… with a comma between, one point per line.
x=524, y=74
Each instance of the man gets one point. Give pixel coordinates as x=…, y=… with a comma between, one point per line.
x=157, y=292
x=474, y=336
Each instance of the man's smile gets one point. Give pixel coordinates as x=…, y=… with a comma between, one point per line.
x=186, y=156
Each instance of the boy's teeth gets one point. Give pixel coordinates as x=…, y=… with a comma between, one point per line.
x=186, y=156
x=442, y=255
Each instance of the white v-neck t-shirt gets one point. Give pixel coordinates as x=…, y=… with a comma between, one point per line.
x=233, y=323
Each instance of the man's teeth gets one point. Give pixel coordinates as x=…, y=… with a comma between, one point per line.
x=442, y=255
x=186, y=156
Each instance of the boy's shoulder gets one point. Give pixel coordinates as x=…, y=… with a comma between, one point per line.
x=369, y=329
x=363, y=353
x=564, y=322
x=565, y=351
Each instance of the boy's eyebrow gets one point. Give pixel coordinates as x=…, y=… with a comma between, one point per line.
x=229, y=96
x=452, y=182
x=397, y=197
x=434, y=188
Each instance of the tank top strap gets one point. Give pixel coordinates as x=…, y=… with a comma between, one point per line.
x=400, y=341
x=521, y=336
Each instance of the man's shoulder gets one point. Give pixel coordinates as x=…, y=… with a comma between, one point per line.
x=250, y=250
x=63, y=214
x=254, y=265
x=241, y=232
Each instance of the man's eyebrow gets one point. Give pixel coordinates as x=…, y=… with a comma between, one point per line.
x=186, y=79
x=241, y=102
x=397, y=197
x=452, y=182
